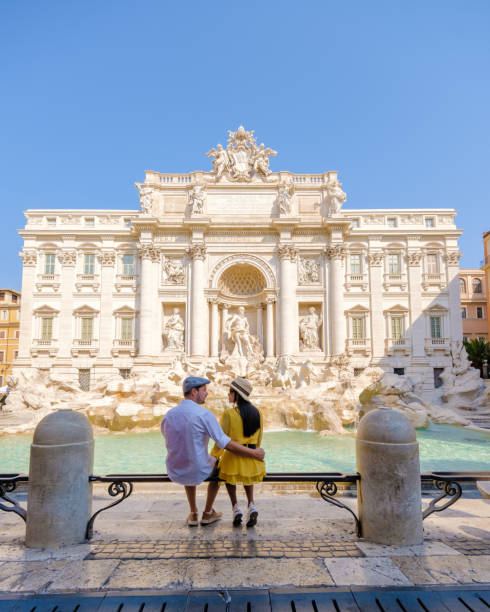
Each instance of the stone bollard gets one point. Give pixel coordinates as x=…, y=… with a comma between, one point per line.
x=389, y=492
x=485, y=369
x=59, y=501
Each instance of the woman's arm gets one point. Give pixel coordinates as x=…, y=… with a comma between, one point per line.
x=244, y=451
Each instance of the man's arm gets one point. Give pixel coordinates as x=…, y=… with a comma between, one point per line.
x=245, y=451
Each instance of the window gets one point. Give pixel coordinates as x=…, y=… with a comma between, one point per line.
x=89, y=221
x=429, y=222
x=355, y=264
x=479, y=312
x=17, y=333
x=16, y=354
x=46, y=329
x=399, y=371
x=124, y=372
x=357, y=328
x=391, y=221
x=14, y=298
x=2, y=334
x=51, y=220
x=435, y=327
x=87, y=326
x=394, y=264
x=128, y=264
x=2, y=295
x=88, y=263
x=432, y=263
x=2, y=355
x=463, y=312
x=476, y=285
x=4, y=315
x=355, y=223
x=396, y=327
x=126, y=328
x=462, y=285
x=49, y=261
x=438, y=382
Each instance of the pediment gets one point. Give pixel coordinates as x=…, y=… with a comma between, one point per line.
x=396, y=308
x=46, y=310
x=85, y=309
x=358, y=308
x=125, y=310
x=436, y=308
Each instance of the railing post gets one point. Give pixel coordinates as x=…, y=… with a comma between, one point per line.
x=59, y=500
x=389, y=491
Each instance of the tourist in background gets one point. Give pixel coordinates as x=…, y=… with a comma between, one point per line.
x=187, y=429
x=243, y=423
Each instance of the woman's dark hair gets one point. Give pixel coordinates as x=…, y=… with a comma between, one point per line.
x=250, y=415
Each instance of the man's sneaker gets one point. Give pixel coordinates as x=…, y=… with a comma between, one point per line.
x=237, y=516
x=193, y=519
x=210, y=517
x=252, y=516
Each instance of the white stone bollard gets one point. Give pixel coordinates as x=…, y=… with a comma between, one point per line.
x=389, y=491
x=59, y=501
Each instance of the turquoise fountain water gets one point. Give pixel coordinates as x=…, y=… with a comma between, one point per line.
x=442, y=447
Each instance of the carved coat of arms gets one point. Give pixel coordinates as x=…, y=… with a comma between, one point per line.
x=242, y=159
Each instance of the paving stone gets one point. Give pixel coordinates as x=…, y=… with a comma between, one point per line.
x=82, y=575
x=30, y=576
x=370, y=571
x=425, y=549
x=445, y=570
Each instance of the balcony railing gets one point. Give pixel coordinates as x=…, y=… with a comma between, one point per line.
x=433, y=280
x=48, y=280
x=394, y=345
x=82, y=345
x=437, y=344
x=40, y=345
x=126, y=280
x=123, y=346
x=359, y=345
x=356, y=280
x=395, y=280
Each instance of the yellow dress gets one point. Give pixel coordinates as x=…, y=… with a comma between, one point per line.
x=234, y=469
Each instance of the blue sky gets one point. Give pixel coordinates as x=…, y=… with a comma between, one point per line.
x=395, y=95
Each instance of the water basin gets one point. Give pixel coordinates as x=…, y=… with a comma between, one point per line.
x=442, y=447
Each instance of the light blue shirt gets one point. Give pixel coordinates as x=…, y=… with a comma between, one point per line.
x=187, y=429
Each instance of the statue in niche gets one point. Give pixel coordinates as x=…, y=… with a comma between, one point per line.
x=237, y=329
x=197, y=196
x=146, y=198
x=285, y=197
x=308, y=271
x=174, y=331
x=173, y=271
x=308, y=329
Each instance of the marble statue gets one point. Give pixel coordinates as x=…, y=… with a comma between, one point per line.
x=197, y=196
x=238, y=331
x=285, y=197
x=146, y=198
x=308, y=328
x=336, y=197
x=174, y=331
x=173, y=271
x=308, y=271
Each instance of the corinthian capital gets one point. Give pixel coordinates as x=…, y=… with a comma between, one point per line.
x=414, y=258
x=29, y=258
x=68, y=258
x=335, y=251
x=376, y=258
x=107, y=258
x=287, y=251
x=148, y=251
x=197, y=251
x=453, y=257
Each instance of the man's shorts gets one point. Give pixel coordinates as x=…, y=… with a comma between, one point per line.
x=213, y=477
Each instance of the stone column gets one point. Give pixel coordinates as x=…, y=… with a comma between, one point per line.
x=29, y=259
x=214, y=327
x=417, y=322
x=199, y=310
x=288, y=315
x=376, y=260
x=147, y=253
x=336, y=254
x=106, y=333
x=455, y=319
x=260, y=335
x=68, y=261
x=269, y=345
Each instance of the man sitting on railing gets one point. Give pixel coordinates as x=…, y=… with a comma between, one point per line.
x=187, y=429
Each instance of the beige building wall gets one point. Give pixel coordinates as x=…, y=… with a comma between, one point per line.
x=474, y=307
x=9, y=331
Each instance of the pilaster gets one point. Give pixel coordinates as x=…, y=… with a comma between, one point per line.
x=416, y=319
x=199, y=311
x=288, y=316
x=68, y=260
x=29, y=259
x=376, y=261
x=106, y=333
x=455, y=319
x=336, y=254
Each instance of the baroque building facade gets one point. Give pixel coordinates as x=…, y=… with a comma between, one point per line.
x=237, y=265
x=473, y=303
x=9, y=331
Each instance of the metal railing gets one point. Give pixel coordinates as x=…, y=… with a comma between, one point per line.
x=121, y=486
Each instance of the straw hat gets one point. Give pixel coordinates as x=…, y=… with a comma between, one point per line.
x=242, y=386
